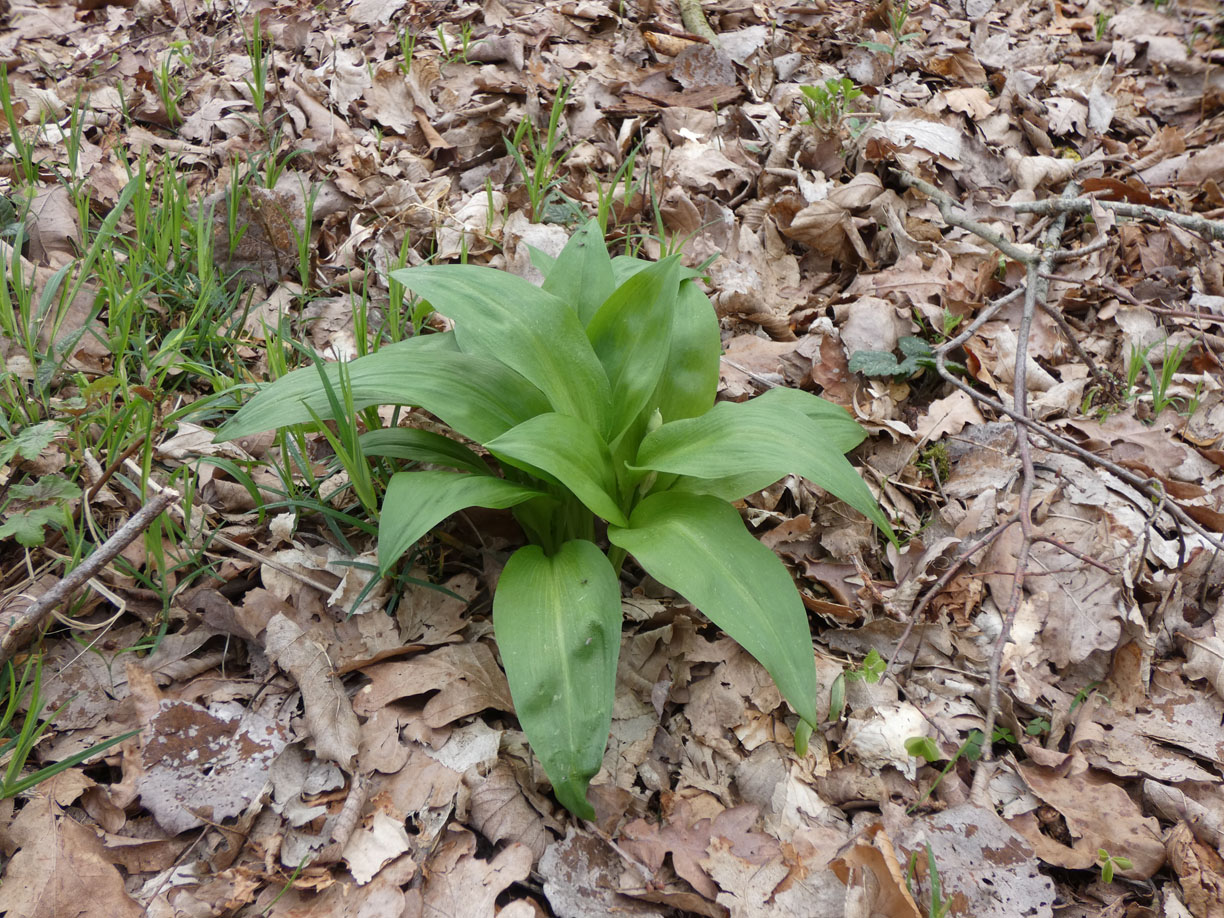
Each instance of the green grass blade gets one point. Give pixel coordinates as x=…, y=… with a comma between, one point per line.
x=557, y=620
x=480, y=398
x=505, y=318
x=698, y=546
x=570, y=451
x=418, y=501
x=73, y=760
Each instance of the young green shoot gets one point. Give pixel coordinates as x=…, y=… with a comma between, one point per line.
x=537, y=157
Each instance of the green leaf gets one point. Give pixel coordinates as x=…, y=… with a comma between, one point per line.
x=689, y=381
x=913, y=346
x=49, y=487
x=27, y=526
x=413, y=445
x=917, y=353
x=843, y=432
x=503, y=317
x=418, y=501
x=750, y=445
x=923, y=747
x=583, y=275
x=557, y=621
x=541, y=260
x=30, y=441
x=631, y=334
x=698, y=546
x=875, y=363
x=569, y=451
x=625, y=266
x=480, y=398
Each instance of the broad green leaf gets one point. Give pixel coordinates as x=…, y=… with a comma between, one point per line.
x=571, y=452
x=417, y=501
x=48, y=487
x=480, y=398
x=583, y=272
x=878, y=363
x=505, y=318
x=30, y=441
x=625, y=266
x=690, y=378
x=843, y=431
x=557, y=621
x=727, y=487
x=27, y=525
x=698, y=546
x=414, y=445
x=631, y=333
x=541, y=260
x=753, y=444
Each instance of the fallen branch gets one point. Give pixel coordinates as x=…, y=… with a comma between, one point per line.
x=1213, y=229
x=693, y=17
x=1039, y=262
x=19, y=625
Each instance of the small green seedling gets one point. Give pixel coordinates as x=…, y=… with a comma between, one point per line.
x=168, y=82
x=260, y=53
x=459, y=54
x=1084, y=694
x=871, y=670
x=923, y=747
x=898, y=19
x=1038, y=726
x=1102, y=25
x=937, y=906
x=407, y=46
x=591, y=398
x=1164, y=379
x=827, y=103
x=1109, y=864
x=538, y=159
x=918, y=356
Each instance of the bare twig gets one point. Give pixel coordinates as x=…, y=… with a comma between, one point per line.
x=937, y=587
x=19, y=625
x=1039, y=264
x=346, y=822
x=693, y=17
x=1213, y=229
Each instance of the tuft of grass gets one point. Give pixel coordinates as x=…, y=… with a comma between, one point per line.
x=538, y=157
x=19, y=736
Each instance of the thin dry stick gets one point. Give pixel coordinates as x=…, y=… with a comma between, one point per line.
x=936, y=588
x=1021, y=253
x=1213, y=229
x=693, y=17
x=1027, y=254
x=23, y=623
x=346, y=822
x=1037, y=263
x=243, y=550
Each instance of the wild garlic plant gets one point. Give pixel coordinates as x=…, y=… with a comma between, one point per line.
x=591, y=404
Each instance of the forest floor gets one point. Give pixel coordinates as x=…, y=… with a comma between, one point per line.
x=990, y=229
